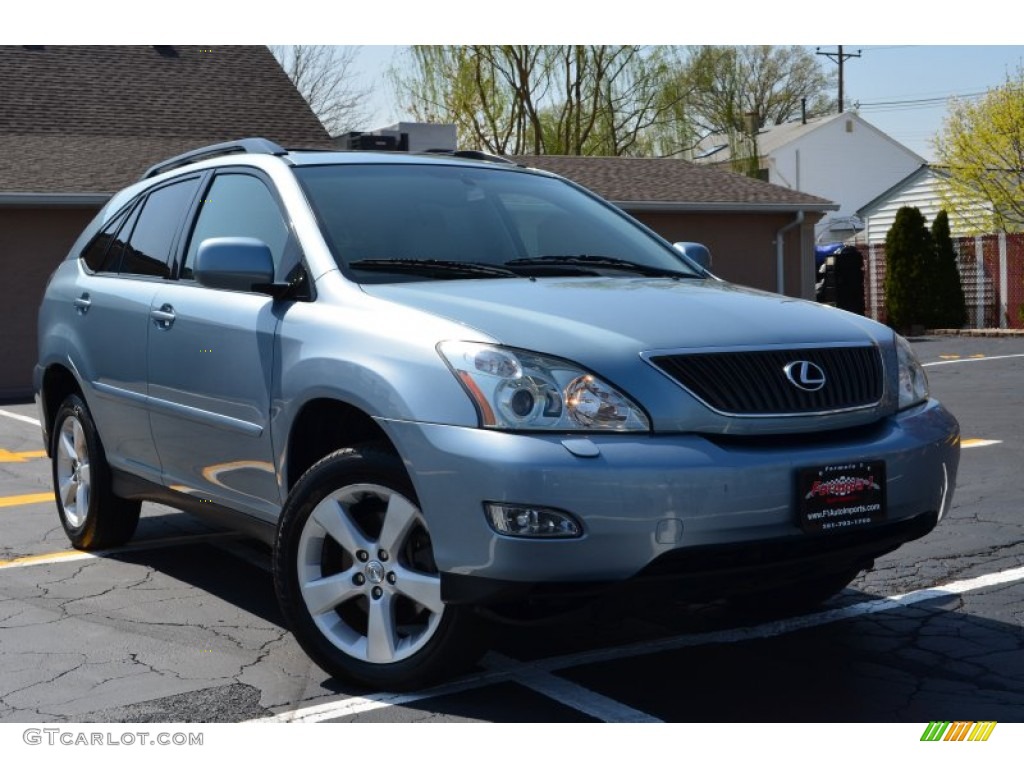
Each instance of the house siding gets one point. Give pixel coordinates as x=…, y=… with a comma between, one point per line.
x=924, y=193
x=33, y=241
x=850, y=167
x=742, y=246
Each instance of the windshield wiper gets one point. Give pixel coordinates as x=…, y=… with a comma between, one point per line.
x=589, y=262
x=430, y=267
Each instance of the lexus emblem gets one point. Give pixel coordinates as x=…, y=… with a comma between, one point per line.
x=805, y=375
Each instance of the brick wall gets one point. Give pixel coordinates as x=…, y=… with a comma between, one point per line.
x=991, y=273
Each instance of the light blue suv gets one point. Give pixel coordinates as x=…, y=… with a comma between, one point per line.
x=441, y=382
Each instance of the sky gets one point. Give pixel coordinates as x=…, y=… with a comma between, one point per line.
x=901, y=89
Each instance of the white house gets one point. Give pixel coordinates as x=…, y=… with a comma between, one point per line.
x=839, y=157
x=921, y=189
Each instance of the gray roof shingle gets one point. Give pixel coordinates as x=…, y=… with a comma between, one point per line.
x=91, y=119
x=671, y=182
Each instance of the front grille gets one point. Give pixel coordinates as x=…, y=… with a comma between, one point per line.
x=755, y=382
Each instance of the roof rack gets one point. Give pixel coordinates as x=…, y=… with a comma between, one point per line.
x=470, y=154
x=254, y=146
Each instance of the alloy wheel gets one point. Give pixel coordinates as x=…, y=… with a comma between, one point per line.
x=367, y=576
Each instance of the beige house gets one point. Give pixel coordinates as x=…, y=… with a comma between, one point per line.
x=759, y=234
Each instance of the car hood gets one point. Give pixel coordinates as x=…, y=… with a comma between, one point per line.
x=605, y=324
x=570, y=317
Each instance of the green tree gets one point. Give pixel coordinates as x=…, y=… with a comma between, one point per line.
x=982, y=144
x=735, y=91
x=949, y=310
x=910, y=257
x=731, y=82
x=609, y=99
x=556, y=99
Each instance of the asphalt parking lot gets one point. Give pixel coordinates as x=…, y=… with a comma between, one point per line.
x=182, y=624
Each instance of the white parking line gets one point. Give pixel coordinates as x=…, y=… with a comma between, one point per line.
x=971, y=360
x=524, y=672
x=356, y=705
x=571, y=694
x=784, y=626
x=561, y=690
x=19, y=417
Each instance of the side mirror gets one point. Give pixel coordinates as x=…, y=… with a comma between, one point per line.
x=695, y=252
x=234, y=263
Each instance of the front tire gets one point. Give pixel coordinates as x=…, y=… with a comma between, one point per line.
x=355, y=576
x=92, y=516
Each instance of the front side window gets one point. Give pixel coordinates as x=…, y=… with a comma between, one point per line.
x=238, y=205
x=148, y=249
x=387, y=223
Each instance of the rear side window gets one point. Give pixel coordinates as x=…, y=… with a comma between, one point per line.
x=238, y=205
x=102, y=253
x=148, y=250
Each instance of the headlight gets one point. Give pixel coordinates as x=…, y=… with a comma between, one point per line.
x=913, y=384
x=514, y=389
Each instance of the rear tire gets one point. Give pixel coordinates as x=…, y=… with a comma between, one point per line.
x=92, y=516
x=355, y=576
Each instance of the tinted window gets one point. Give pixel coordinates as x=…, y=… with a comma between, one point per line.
x=238, y=205
x=380, y=213
x=120, y=243
x=97, y=255
x=149, y=248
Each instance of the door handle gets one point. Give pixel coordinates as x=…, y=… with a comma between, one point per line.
x=163, y=317
x=82, y=304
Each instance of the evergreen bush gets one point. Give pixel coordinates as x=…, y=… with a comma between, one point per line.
x=910, y=257
x=949, y=310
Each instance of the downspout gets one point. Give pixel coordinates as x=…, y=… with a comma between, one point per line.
x=780, y=269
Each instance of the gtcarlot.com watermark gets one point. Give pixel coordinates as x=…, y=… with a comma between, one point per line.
x=66, y=737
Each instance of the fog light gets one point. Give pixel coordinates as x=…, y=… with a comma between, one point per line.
x=531, y=522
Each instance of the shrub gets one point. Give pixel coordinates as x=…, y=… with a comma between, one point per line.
x=949, y=310
x=910, y=256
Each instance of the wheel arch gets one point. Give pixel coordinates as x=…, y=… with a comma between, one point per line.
x=57, y=383
x=323, y=425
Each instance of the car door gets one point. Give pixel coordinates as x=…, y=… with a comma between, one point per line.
x=122, y=268
x=211, y=355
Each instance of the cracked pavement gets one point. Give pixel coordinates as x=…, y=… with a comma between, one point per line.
x=192, y=633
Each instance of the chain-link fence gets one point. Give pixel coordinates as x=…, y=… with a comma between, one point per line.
x=991, y=273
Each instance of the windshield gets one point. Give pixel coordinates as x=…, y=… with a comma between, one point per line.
x=392, y=223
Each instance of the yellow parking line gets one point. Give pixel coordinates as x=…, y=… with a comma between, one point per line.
x=52, y=557
x=136, y=546
x=27, y=498
x=977, y=442
x=20, y=456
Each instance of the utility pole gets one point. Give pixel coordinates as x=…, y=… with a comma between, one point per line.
x=839, y=57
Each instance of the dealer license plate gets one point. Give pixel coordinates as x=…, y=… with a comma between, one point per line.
x=841, y=497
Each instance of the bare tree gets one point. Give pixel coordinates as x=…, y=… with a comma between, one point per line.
x=568, y=99
x=325, y=77
x=766, y=82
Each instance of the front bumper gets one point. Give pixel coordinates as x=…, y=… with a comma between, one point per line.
x=647, y=500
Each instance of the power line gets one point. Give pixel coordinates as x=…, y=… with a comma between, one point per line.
x=839, y=57
x=910, y=104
